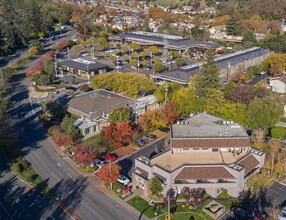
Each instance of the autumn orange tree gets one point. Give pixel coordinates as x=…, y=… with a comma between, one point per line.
x=117, y=134
x=109, y=173
x=83, y=155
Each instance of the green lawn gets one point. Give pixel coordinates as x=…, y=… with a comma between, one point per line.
x=171, y=2
x=186, y=216
x=91, y=140
x=143, y=206
x=283, y=119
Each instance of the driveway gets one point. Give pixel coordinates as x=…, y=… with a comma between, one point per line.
x=277, y=194
x=149, y=151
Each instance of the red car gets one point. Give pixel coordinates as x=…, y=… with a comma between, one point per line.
x=111, y=157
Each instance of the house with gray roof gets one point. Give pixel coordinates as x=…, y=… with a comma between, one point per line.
x=205, y=152
x=82, y=67
x=94, y=107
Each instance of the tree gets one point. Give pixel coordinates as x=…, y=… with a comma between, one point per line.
x=213, y=100
x=264, y=113
x=62, y=139
x=83, y=156
x=120, y=114
x=199, y=33
x=187, y=101
x=144, y=123
x=118, y=135
x=135, y=46
x=208, y=77
x=109, y=173
x=242, y=94
x=232, y=26
x=155, y=186
x=197, y=196
x=186, y=192
x=68, y=127
x=159, y=67
x=171, y=111
x=153, y=49
x=53, y=109
x=134, y=62
x=180, y=61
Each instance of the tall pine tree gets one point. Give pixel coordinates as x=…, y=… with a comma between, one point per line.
x=208, y=77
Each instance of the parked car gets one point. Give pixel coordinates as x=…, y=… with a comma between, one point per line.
x=110, y=156
x=164, y=129
x=54, y=92
x=242, y=213
x=282, y=215
x=151, y=136
x=123, y=179
x=100, y=163
x=84, y=55
x=141, y=142
x=71, y=88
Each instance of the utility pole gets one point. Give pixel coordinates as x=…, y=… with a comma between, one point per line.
x=110, y=173
x=138, y=64
x=87, y=72
x=135, y=110
x=129, y=57
x=69, y=57
x=166, y=91
x=2, y=79
x=56, y=71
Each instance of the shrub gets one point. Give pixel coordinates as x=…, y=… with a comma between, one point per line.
x=278, y=132
x=84, y=87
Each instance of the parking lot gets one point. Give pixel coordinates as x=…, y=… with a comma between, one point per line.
x=277, y=194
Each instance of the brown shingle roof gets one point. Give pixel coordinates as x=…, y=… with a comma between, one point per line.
x=217, y=172
x=249, y=163
x=210, y=142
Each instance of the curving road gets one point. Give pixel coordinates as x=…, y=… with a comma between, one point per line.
x=73, y=189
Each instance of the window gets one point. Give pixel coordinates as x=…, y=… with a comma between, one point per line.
x=215, y=150
x=204, y=148
x=87, y=131
x=196, y=148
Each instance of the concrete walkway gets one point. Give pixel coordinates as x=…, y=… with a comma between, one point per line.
x=37, y=95
x=97, y=183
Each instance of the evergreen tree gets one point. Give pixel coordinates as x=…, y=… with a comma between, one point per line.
x=208, y=77
x=232, y=26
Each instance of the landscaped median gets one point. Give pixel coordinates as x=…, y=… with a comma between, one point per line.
x=24, y=171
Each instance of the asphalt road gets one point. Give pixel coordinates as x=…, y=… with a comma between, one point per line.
x=73, y=189
x=19, y=201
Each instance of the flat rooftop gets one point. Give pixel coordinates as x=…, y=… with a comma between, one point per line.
x=170, y=41
x=183, y=74
x=82, y=64
x=171, y=162
x=205, y=125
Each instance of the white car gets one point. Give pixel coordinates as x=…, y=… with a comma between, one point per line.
x=282, y=215
x=123, y=179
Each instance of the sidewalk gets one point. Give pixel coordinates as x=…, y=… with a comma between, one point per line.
x=97, y=183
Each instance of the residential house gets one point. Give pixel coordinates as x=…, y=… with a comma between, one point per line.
x=278, y=84
x=205, y=152
x=94, y=107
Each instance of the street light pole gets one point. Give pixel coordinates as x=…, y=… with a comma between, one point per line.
x=2, y=79
x=138, y=62
x=69, y=57
x=166, y=91
x=87, y=70
x=56, y=66
x=110, y=173
x=135, y=110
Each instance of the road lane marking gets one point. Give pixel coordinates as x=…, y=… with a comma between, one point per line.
x=6, y=210
x=59, y=165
